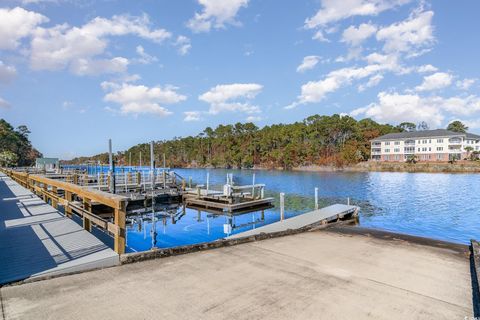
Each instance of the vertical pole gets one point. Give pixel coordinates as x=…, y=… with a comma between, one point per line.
x=130, y=159
x=348, y=201
x=54, y=200
x=152, y=165
x=208, y=182
x=253, y=186
x=282, y=206
x=112, y=167
x=69, y=198
x=164, y=161
x=87, y=205
x=125, y=182
x=190, y=182
x=140, y=163
x=316, y=198
x=119, y=241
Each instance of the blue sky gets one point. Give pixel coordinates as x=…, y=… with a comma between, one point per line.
x=78, y=72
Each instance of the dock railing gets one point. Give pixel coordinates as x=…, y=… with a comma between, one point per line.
x=67, y=194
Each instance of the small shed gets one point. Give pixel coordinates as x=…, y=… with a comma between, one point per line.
x=47, y=163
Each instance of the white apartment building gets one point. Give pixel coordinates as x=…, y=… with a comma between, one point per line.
x=427, y=145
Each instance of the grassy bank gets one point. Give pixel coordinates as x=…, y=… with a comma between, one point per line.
x=459, y=167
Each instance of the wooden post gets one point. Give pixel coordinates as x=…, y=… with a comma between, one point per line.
x=316, y=198
x=45, y=188
x=139, y=178
x=87, y=205
x=75, y=178
x=54, y=200
x=129, y=177
x=69, y=198
x=282, y=206
x=119, y=241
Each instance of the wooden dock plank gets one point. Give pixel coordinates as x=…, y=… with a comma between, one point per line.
x=37, y=240
x=300, y=221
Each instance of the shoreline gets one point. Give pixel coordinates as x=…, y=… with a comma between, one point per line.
x=367, y=166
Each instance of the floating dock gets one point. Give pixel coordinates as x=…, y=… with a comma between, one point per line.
x=36, y=240
x=317, y=217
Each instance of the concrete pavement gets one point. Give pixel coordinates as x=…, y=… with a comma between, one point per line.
x=314, y=275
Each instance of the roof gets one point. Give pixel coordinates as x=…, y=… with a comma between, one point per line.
x=46, y=160
x=425, y=134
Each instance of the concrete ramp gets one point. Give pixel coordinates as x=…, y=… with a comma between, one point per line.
x=327, y=214
x=36, y=240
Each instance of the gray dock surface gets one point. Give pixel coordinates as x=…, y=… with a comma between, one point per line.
x=300, y=221
x=36, y=240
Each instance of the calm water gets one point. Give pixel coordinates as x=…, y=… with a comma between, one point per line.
x=440, y=206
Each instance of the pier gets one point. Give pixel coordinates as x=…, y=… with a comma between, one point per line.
x=38, y=241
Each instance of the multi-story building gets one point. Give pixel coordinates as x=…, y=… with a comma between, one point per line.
x=427, y=145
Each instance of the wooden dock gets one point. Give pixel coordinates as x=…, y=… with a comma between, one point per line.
x=36, y=240
x=320, y=216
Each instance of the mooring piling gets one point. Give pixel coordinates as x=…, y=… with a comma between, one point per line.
x=316, y=198
x=282, y=206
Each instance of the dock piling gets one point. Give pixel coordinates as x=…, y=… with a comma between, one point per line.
x=316, y=198
x=282, y=206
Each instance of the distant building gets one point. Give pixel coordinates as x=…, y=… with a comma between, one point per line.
x=47, y=163
x=428, y=145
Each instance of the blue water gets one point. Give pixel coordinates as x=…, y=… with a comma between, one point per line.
x=434, y=205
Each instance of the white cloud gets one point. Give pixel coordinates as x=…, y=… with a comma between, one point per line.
x=7, y=73
x=183, y=45
x=192, y=116
x=320, y=37
x=16, y=24
x=232, y=97
x=253, y=119
x=465, y=84
x=309, y=62
x=140, y=99
x=144, y=58
x=372, y=82
x=355, y=36
x=409, y=35
x=435, y=81
x=396, y=108
x=427, y=68
x=4, y=104
x=334, y=10
x=57, y=48
x=216, y=14
x=315, y=91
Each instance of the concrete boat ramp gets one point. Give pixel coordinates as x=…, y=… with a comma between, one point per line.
x=316, y=217
x=38, y=241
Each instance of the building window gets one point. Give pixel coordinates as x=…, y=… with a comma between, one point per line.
x=387, y=158
x=439, y=140
x=418, y=149
x=439, y=148
x=387, y=143
x=429, y=148
x=430, y=141
x=387, y=150
x=396, y=150
x=439, y=156
x=397, y=143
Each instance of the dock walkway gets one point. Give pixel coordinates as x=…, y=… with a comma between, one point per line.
x=304, y=220
x=36, y=240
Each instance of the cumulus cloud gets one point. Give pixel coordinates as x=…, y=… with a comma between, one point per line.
x=309, y=62
x=465, y=84
x=192, y=116
x=58, y=47
x=354, y=36
x=144, y=58
x=7, y=73
x=435, y=81
x=396, y=108
x=427, y=68
x=183, y=45
x=15, y=24
x=316, y=91
x=410, y=35
x=372, y=82
x=232, y=97
x=216, y=14
x=333, y=10
x=140, y=99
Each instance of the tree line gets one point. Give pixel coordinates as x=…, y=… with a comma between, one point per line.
x=317, y=140
x=15, y=147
